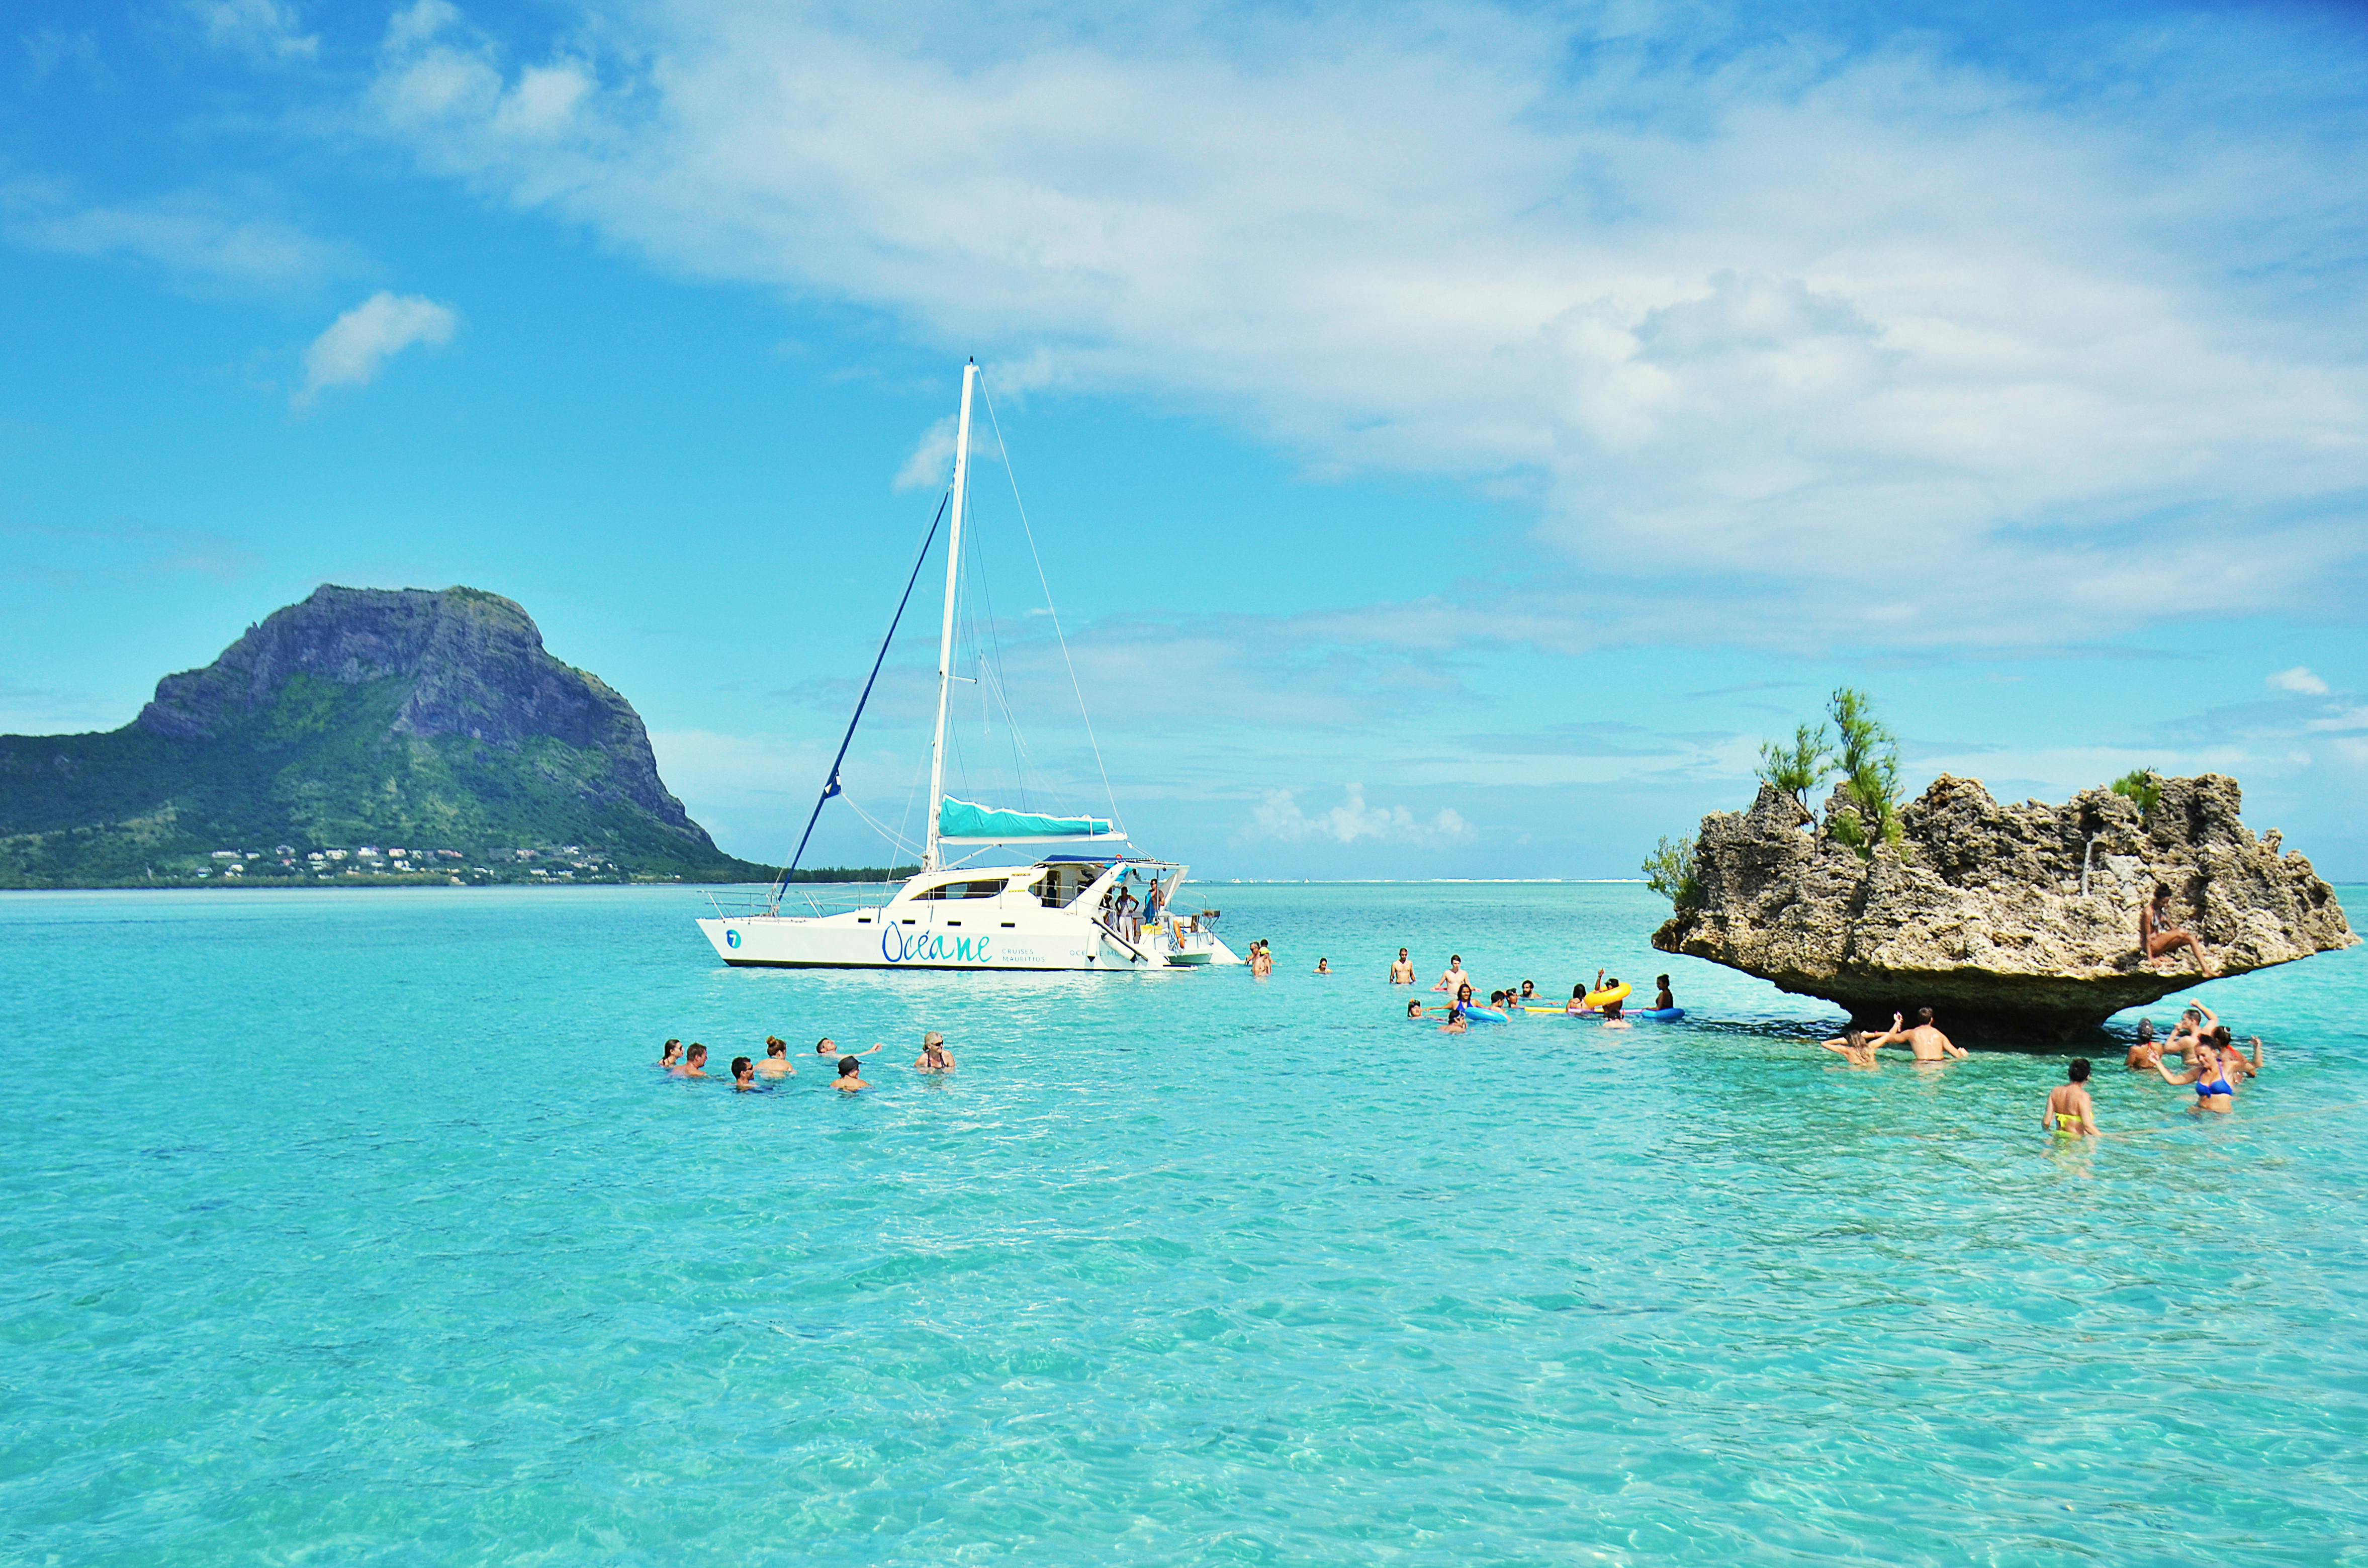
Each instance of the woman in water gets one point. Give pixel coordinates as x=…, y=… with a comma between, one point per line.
x=933, y=1057
x=850, y=1074
x=1414, y=1009
x=777, y=1059
x=670, y=1055
x=1663, y=998
x=2070, y=1113
x=823, y=1047
x=2234, y=1060
x=2215, y=1088
x=1857, y=1048
x=1323, y=966
x=2145, y=1052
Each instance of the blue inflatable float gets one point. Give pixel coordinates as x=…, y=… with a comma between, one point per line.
x=1659, y=1015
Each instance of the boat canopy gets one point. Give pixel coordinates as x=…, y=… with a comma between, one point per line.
x=968, y=823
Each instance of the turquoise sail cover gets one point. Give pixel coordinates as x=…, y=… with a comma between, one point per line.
x=961, y=819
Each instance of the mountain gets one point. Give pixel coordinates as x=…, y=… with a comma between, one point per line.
x=361, y=719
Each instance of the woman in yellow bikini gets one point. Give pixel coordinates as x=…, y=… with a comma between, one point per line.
x=2070, y=1113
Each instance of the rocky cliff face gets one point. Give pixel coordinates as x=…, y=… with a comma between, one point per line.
x=474, y=663
x=2009, y=921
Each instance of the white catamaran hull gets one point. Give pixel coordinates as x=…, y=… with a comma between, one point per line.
x=951, y=937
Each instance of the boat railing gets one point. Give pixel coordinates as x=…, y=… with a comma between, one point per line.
x=802, y=900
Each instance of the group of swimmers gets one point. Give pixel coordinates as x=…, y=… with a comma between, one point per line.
x=1607, y=998
x=2214, y=1065
x=693, y=1063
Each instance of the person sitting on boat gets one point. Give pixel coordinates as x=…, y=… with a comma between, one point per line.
x=1663, y=997
x=933, y=1058
x=1402, y=972
x=1454, y=979
x=2157, y=936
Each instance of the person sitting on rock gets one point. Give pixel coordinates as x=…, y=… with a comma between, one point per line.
x=1926, y=1042
x=2157, y=936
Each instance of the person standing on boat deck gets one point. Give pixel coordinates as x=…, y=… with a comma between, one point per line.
x=2070, y=1113
x=1454, y=979
x=1402, y=972
x=2157, y=936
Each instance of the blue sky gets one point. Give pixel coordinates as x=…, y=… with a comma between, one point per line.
x=1455, y=435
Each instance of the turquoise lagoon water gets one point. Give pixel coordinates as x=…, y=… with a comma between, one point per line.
x=355, y=1228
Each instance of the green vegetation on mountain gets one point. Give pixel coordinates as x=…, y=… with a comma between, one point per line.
x=359, y=719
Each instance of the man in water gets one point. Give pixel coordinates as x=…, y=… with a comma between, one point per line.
x=823, y=1047
x=777, y=1059
x=850, y=1074
x=744, y=1077
x=1926, y=1042
x=2145, y=1052
x=1402, y=972
x=694, y=1064
x=2070, y=1113
x=1414, y=1009
x=1454, y=979
x=2157, y=936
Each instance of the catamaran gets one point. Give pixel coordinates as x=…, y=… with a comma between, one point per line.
x=972, y=904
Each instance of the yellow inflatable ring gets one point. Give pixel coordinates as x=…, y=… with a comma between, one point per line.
x=1609, y=993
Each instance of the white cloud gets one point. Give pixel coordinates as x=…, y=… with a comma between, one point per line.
x=932, y=462
x=198, y=233
x=262, y=30
x=1279, y=817
x=1873, y=345
x=357, y=345
x=2298, y=679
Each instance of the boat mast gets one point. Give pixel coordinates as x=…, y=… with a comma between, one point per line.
x=929, y=860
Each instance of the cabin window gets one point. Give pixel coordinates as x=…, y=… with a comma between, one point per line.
x=962, y=890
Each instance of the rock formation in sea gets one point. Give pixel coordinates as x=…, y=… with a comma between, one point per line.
x=2012, y=923
x=361, y=717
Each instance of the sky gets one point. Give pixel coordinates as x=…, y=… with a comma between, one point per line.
x=1452, y=436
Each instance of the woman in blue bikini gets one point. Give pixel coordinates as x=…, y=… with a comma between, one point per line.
x=2214, y=1079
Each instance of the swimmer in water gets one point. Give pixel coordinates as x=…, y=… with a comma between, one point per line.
x=743, y=1076
x=1323, y=966
x=2145, y=1052
x=694, y=1064
x=670, y=1055
x=1456, y=1022
x=1577, y=1001
x=850, y=1074
x=1402, y=972
x=933, y=1057
x=1663, y=998
x=1611, y=1017
x=1454, y=979
x=2216, y=1089
x=1927, y=1043
x=823, y=1047
x=2234, y=1060
x=2070, y=1113
x=1857, y=1046
x=777, y=1059
x=1414, y=1009
x=1529, y=992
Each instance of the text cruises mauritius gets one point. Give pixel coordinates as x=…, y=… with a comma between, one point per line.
x=989, y=895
